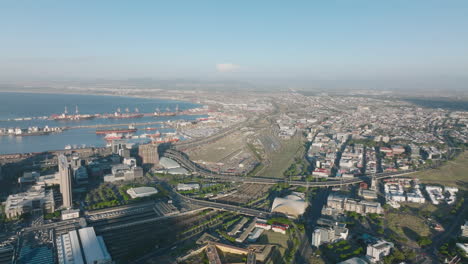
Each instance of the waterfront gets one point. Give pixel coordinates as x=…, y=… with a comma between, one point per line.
x=29, y=105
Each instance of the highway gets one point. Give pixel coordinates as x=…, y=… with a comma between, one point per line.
x=185, y=162
x=225, y=207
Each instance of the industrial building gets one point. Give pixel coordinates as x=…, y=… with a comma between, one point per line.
x=171, y=166
x=82, y=247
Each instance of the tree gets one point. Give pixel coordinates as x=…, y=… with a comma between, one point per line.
x=424, y=241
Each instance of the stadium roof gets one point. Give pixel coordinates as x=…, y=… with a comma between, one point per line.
x=292, y=205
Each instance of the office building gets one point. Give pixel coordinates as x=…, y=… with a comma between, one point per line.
x=117, y=146
x=148, y=154
x=35, y=198
x=378, y=250
x=329, y=234
x=122, y=172
x=75, y=161
x=316, y=237
x=65, y=175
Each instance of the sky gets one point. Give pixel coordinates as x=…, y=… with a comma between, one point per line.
x=417, y=41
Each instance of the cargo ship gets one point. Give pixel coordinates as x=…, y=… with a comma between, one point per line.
x=104, y=131
x=167, y=113
x=113, y=136
x=66, y=117
x=119, y=115
x=155, y=135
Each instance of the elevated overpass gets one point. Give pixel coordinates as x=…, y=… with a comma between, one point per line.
x=185, y=162
x=224, y=207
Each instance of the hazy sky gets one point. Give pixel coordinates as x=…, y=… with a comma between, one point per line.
x=245, y=40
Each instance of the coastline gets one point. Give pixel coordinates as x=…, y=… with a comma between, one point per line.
x=149, y=99
x=58, y=92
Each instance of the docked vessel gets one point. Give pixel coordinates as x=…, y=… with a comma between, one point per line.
x=130, y=129
x=66, y=117
x=155, y=135
x=113, y=136
x=30, y=131
x=119, y=115
x=167, y=113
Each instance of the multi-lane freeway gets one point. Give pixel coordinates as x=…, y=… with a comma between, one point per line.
x=185, y=162
x=225, y=207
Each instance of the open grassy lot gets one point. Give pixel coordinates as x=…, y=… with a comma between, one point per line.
x=406, y=227
x=219, y=150
x=283, y=158
x=277, y=239
x=453, y=173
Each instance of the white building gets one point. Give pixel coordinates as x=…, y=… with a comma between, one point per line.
x=464, y=229
x=70, y=214
x=329, y=234
x=68, y=249
x=72, y=246
x=36, y=198
x=292, y=205
x=94, y=249
x=141, y=192
x=316, y=237
x=188, y=186
x=122, y=172
x=435, y=194
x=377, y=251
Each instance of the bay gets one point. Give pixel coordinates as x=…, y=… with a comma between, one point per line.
x=30, y=105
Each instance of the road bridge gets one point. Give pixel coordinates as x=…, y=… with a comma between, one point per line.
x=225, y=207
x=185, y=162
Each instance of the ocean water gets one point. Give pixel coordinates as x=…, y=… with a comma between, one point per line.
x=30, y=105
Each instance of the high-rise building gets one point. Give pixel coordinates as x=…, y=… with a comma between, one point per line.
x=65, y=175
x=75, y=161
x=148, y=154
x=118, y=145
x=316, y=238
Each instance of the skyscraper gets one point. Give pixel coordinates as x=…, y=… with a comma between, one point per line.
x=148, y=154
x=75, y=161
x=65, y=174
x=117, y=145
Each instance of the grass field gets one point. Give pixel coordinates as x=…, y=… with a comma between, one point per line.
x=282, y=159
x=220, y=149
x=453, y=173
x=407, y=226
x=277, y=239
